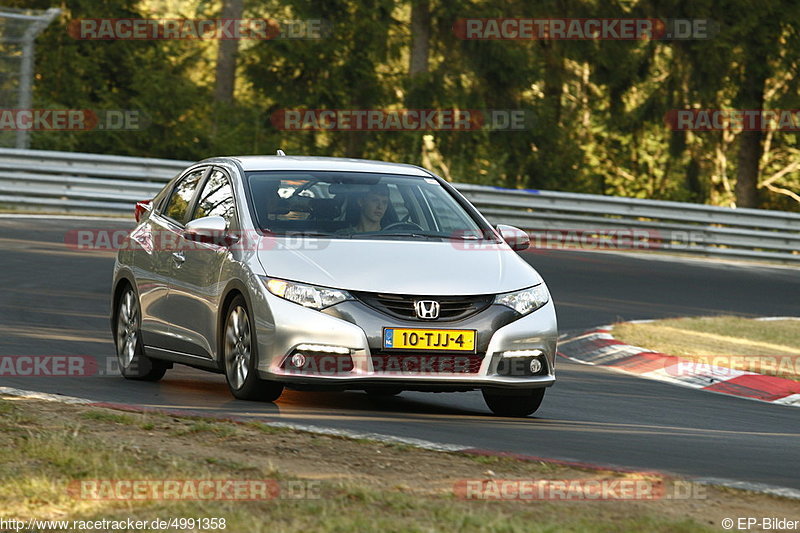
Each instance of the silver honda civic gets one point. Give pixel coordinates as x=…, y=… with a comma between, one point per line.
x=331, y=274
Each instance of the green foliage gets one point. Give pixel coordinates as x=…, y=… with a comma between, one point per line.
x=599, y=106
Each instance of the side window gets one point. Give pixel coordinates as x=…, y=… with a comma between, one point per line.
x=182, y=195
x=158, y=201
x=216, y=199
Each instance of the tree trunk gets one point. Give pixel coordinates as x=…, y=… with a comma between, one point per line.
x=553, y=80
x=355, y=143
x=418, y=93
x=747, y=173
x=420, y=37
x=751, y=96
x=226, y=55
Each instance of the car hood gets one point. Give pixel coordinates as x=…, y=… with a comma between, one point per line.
x=400, y=267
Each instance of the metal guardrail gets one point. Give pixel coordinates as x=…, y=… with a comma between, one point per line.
x=80, y=183
x=103, y=184
x=609, y=222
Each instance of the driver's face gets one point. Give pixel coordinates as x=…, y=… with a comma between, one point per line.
x=373, y=206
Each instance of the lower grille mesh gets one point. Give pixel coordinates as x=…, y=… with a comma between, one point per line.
x=426, y=363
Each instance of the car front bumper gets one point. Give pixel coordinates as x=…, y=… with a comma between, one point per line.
x=282, y=327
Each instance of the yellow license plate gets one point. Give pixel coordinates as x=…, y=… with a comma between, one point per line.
x=462, y=340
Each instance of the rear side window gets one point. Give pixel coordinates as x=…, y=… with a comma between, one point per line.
x=182, y=195
x=160, y=198
x=216, y=198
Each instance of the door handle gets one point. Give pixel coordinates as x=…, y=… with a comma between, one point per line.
x=179, y=258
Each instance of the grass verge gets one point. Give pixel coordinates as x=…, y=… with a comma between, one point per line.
x=327, y=484
x=769, y=347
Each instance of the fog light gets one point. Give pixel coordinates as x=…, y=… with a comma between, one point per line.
x=536, y=366
x=298, y=360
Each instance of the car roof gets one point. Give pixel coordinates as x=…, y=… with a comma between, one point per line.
x=273, y=162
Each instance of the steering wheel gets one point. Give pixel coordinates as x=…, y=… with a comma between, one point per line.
x=404, y=225
x=302, y=188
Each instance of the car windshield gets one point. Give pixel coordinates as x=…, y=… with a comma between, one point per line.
x=359, y=206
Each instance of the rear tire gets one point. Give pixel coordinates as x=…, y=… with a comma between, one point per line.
x=240, y=357
x=133, y=363
x=516, y=404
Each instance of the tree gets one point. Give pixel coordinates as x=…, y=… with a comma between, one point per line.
x=148, y=77
x=420, y=37
x=226, y=55
x=598, y=107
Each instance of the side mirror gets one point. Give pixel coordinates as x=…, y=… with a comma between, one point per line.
x=514, y=237
x=209, y=230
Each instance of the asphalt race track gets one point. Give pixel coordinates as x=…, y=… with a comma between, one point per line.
x=54, y=301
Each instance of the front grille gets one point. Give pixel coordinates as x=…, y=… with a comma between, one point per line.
x=402, y=306
x=410, y=363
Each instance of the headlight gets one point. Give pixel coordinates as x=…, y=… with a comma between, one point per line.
x=525, y=301
x=305, y=295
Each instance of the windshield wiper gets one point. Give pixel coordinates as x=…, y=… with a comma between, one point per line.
x=447, y=236
x=415, y=235
x=456, y=237
x=412, y=235
x=305, y=234
x=311, y=234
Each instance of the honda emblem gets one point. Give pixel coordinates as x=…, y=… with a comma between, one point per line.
x=427, y=309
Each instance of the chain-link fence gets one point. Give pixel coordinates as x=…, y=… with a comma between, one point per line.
x=18, y=31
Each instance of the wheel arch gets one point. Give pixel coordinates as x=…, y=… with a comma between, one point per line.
x=124, y=279
x=232, y=290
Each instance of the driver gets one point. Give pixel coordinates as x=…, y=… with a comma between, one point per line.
x=373, y=206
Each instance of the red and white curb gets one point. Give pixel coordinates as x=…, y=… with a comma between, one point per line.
x=763, y=488
x=599, y=347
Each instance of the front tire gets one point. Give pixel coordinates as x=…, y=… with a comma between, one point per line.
x=133, y=363
x=515, y=404
x=240, y=354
